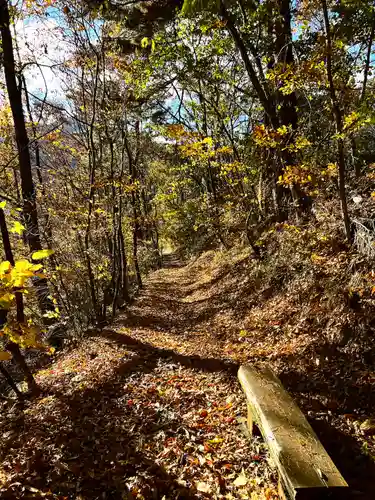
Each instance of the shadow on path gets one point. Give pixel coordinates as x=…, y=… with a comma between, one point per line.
x=88, y=444
x=152, y=352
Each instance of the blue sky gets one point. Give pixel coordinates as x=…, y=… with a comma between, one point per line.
x=46, y=40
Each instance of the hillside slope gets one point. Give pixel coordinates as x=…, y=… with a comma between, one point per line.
x=150, y=406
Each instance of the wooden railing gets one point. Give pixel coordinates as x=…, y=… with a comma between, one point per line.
x=306, y=471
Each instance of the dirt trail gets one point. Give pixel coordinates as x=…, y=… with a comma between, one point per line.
x=149, y=408
x=171, y=312
x=193, y=315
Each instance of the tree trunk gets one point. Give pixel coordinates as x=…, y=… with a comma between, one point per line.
x=134, y=201
x=339, y=126
x=10, y=381
x=124, y=267
x=48, y=236
x=368, y=59
x=266, y=102
x=20, y=360
x=287, y=103
x=27, y=184
x=284, y=57
x=135, y=245
x=11, y=346
x=355, y=160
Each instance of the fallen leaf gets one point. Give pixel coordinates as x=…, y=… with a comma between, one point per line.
x=241, y=480
x=4, y=356
x=203, y=487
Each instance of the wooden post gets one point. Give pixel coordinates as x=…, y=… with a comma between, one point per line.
x=250, y=420
x=281, y=489
x=306, y=471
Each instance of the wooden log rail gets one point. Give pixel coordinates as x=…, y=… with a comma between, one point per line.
x=306, y=472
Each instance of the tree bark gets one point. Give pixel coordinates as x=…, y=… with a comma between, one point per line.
x=356, y=163
x=284, y=56
x=267, y=104
x=12, y=347
x=368, y=59
x=134, y=201
x=10, y=381
x=339, y=125
x=124, y=266
x=27, y=184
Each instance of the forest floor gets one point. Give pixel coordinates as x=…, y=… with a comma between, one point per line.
x=150, y=407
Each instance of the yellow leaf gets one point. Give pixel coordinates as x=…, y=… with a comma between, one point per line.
x=5, y=267
x=6, y=300
x=17, y=228
x=22, y=266
x=25, y=335
x=4, y=356
x=215, y=440
x=22, y=270
x=3, y=204
x=42, y=254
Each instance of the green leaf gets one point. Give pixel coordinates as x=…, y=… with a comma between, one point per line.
x=197, y=6
x=42, y=254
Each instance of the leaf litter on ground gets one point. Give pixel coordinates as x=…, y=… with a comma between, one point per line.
x=150, y=407
x=127, y=414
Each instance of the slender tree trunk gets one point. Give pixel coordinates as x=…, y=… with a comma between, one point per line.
x=48, y=236
x=269, y=106
x=287, y=103
x=20, y=360
x=27, y=183
x=135, y=243
x=92, y=166
x=134, y=202
x=124, y=267
x=356, y=163
x=90, y=272
x=12, y=347
x=211, y=184
x=368, y=59
x=10, y=381
x=266, y=102
x=284, y=57
x=339, y=125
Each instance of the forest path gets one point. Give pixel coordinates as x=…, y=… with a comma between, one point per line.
x=148, y=408
x=171, y=313
x=193, y=314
